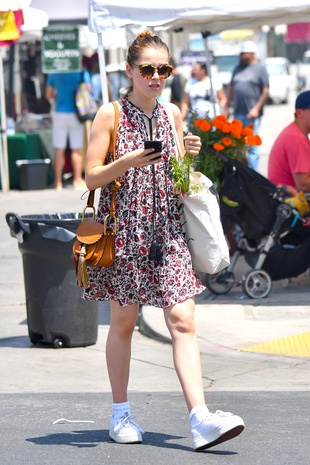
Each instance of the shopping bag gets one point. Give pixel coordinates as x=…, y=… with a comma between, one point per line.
x=201, y=224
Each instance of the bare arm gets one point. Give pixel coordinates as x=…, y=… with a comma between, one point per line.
x=49, y=93
x=101, y=142
x=254, y=112
x=221, y=98
x=228, y=99
x=184, y=105
x=302, y=181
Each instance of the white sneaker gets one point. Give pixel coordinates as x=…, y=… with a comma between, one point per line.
x=216, y=428
x=125, y=430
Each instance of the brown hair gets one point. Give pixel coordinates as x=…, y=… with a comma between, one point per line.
x=142, y=40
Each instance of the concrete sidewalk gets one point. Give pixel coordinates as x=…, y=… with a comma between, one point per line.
x=278, y=324
x=231, y=320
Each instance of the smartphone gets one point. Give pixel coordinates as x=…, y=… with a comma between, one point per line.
x=153, y=144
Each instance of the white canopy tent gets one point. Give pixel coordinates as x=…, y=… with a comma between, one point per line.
x=208, y=17
x=213, y=16
x=74, y=11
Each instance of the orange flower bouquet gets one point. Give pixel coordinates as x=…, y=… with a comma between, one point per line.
x=230, y=138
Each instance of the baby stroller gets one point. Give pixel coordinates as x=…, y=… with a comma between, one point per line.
x=274, y=236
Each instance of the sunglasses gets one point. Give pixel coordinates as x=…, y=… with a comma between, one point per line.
x=148, y=71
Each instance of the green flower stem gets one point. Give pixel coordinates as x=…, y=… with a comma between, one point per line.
x=181, y=172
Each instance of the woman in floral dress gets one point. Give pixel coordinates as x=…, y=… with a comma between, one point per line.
x=153, y=264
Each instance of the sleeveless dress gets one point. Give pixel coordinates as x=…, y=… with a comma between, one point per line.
x=146, y=197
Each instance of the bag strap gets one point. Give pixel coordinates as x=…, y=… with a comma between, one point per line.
x=169, y=112
x=115, y=184
x=116, y=109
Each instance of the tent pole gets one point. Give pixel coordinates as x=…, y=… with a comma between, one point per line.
x=205, y=35
x=17, y=80
x=4, y=164
x=103, y=73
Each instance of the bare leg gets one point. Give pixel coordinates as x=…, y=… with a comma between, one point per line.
x=180, y=322
x=118, y=348
x=59, y=165
x=77, y=162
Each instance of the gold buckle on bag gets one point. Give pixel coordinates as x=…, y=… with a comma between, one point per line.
x=93, y=209
x=105, y=224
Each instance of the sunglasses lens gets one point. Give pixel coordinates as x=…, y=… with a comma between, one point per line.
x=147, y=71
x=164, y=71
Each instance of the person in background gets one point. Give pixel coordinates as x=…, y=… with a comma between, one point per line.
x=66, y=126
x=289, y=159
x=248, y=90
x=32, y=97
x=153, y=264
x=95, y=80
x=205, y=96
x=177, y=85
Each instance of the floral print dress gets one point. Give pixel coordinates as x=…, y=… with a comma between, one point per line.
x=146, y=198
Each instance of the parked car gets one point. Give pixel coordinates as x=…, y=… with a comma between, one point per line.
x=224, y=64
x=304, y=70
x=306, y=57
x=281, y=81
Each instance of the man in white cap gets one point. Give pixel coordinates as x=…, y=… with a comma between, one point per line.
x=249, y=90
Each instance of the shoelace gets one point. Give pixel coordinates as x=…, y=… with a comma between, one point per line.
x=223, y=414
x=127, y=420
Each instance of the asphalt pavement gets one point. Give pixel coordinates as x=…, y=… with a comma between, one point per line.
x=39, y=385
x=55, y=404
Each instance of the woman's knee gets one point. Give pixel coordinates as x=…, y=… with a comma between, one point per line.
x=180, y=318
x=123, y=319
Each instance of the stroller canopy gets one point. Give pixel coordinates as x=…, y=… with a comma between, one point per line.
x=248, y=199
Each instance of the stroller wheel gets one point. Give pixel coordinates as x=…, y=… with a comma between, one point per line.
x=220, y=283
x=256, y=284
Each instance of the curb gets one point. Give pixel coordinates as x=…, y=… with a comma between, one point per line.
x=146, y=330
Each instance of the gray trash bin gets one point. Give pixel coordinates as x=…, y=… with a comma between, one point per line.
x=33, y=174
x=56, y=313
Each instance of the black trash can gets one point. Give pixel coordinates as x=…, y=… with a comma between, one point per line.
x=56, y=313
x=33, y=174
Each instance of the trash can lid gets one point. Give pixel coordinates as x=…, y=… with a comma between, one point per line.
x=36, y=161
x=29, y=223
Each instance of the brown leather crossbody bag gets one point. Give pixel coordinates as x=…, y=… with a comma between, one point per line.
x=95, y=242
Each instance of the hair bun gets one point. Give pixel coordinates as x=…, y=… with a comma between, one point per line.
x=144, y=34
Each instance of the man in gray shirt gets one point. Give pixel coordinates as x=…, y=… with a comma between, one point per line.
x=249, y=89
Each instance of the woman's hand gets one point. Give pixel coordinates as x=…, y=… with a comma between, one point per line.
x=192, y=144
x=141, y=158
